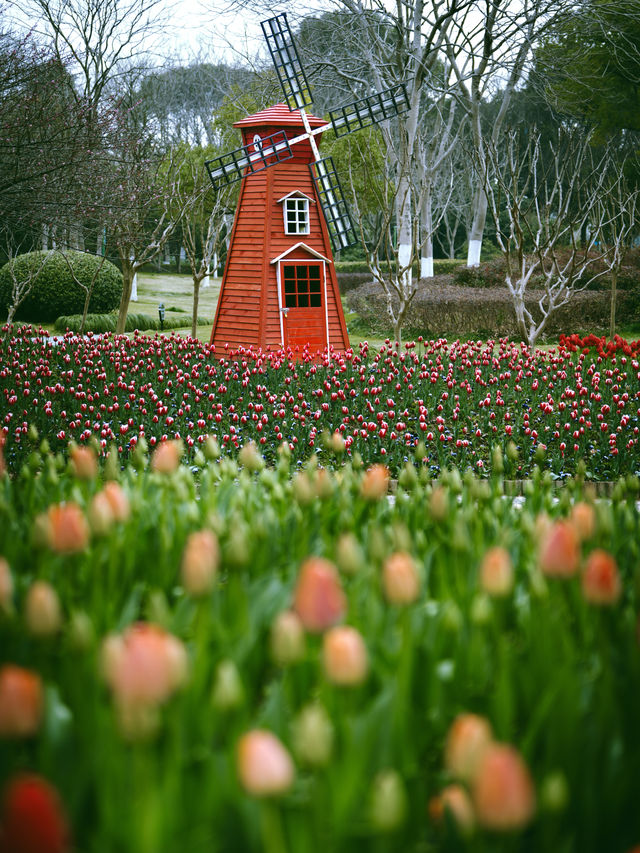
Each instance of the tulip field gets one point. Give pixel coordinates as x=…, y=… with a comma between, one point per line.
x=261, y=603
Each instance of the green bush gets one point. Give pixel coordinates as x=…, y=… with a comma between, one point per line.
x=107, y=323
x=54, y=291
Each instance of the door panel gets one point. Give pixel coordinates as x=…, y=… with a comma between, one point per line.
x=304, y=320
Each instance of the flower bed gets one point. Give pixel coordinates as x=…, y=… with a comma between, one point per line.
x=291, y=660
x=457, y=402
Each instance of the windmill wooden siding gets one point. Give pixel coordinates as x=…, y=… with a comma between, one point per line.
x=249, y=308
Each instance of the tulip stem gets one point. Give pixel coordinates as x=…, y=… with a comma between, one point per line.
x=271, y=828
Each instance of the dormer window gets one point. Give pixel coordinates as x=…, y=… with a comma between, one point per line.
x=295, y=209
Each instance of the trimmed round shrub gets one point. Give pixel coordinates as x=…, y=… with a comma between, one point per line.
x=54, y=290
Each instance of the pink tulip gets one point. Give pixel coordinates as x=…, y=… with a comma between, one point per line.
x=502, y=789
x=601, y=579
x=496, y=572
x=344, y=656
x=319, y=599
x=400, y=578
x=559, y=551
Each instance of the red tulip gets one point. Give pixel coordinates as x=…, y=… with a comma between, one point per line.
x=33, y=820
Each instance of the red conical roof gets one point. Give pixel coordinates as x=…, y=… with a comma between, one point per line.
x=280, y=115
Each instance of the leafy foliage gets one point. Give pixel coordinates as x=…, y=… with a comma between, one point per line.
x=54, y=291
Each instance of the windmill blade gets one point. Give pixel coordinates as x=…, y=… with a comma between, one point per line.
x=287, y=62
x=248, y=159
x=370, y=110
x=336, y=213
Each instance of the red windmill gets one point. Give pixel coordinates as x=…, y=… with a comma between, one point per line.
x=279, y=287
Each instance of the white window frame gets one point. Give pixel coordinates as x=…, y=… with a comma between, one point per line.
x=299, y=207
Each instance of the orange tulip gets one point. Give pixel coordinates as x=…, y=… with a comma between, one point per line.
x=559, y=550
x=601, y=579
x=318, y=599
x=502, y=789
x=166, y=457
x=200, y=561
x=583, y=518
x=67, y=528
x=375, y=483
x=455, y=800
x=264, y=765
x=496, y=572
x=42, y=609
x=344, y=656
x=118, y=500
x=467, y=740
x=400, y=578
x=84, y=462
x=21, y=701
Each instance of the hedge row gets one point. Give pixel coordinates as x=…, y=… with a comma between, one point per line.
x=99, y=323
x=442, y=309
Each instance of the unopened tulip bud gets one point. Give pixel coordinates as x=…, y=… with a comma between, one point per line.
x=265, y=767
x=349, y=554
x=388, y=808
x=337, y=443
x=166, y=457
x=583, y=518
x=303, y=490
x=400, y=578
x=81, y=634
x=211, y=449
x=287, y=638
x=344, y=656
x=601, y=579
x=21, y=702
x=467, y=740
x=496, y=572
x=323, y=484
x=249, y=457
x=502, y=790
x=559, y=550
x=227, y=692
x=200, y=561
x=118, y=501
x=42, y=610
x=439, y=503
x=375, y=483
x=84, y=463
x=313, y=736
x=481, y=609
x=554, y=792
x=452, y=618
x=100, y=514
x=6, y=587
x=454, y=801
x=318, y=598
x=67, y=529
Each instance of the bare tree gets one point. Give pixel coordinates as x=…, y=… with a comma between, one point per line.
x=488, y=46
x=103, y=38
x=22, y=281
x=543, y=208
x=621, y=206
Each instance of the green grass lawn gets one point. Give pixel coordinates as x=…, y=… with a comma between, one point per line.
x=176, y=293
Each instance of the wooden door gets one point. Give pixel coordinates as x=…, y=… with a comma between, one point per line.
x=303, y=301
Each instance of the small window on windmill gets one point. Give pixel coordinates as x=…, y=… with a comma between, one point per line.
x=295, y=209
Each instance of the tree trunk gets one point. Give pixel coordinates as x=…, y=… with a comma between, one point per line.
x=85, y=309
x=426, y=243
x=196, y=299
x=614, y=285
x=477, y=228
x=128, y=272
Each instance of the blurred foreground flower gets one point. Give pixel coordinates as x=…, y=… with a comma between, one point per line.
x=344, y=656
x=67, y=530
x=108, y=506
x=33, y=820
x=467, y=740
x=559, y=550
x=42, y=610
x=143, y=666
x=21, y=701
x=496, y=572
x=583, y=518
x=400, y=578
x=200, y=560
x=84, y=462
x=601, y=579
x=6, y=586
x=502, y=789
x=455, y=801
x=287, y=638
x=166, y=457
x=313, y=736
x=375, y=483
x=264, y=765
x=318, y=598
x=388, y=805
